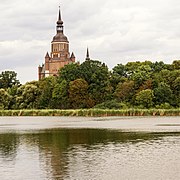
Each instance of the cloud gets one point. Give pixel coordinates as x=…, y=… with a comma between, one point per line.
x=116, y=31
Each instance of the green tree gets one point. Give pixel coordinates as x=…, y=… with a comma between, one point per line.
x=120, y=70
x=166, y=76
x=141, y=74
x=8, y=79
x=78, y=94
x=158, y=66
x=124, y=91
x=96, y=74
x=5, y=99
x=131, y=67
x=176, y=86
x=46, y=87
x=163, y=94
x=13, y=92
x=27, y=96
x=69, y=72
x=176, y=64
x=145, y=98
x=60, y=95
x=118, y=75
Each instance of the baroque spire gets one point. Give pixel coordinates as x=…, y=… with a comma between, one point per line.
x=59, y=26
x=59, y=18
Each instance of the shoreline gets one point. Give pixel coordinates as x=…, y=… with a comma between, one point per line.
x=92, y=112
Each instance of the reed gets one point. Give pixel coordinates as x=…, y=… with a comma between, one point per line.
x=92, y=112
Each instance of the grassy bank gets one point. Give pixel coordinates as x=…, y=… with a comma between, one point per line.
x=92, y=112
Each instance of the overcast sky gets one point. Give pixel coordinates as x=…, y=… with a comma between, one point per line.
x=116, y=31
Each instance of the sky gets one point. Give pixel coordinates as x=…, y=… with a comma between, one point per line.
x=116, y=31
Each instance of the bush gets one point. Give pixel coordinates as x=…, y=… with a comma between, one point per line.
x=164, y=106
x=111, y=105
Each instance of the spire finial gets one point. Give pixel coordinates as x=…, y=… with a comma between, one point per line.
x=59, y=26
x=59, y=13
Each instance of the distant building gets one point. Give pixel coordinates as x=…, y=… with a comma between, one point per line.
x=59, y=56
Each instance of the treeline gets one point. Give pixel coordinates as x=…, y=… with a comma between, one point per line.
x=92, y=85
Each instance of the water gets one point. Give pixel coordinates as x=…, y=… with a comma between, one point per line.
x=85, y=148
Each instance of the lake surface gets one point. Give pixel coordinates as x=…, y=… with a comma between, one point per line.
x=112, y=148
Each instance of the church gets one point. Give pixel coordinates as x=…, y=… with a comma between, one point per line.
x=59, y=56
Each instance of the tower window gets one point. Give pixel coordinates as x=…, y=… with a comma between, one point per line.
x=55, y=55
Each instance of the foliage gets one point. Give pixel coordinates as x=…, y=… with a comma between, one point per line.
x=4, y=99
x=118, y=75
x=96, y=74
x=46, y=87
x=69, y=72
x=92, y=84
x=145, y=98
x=124, y=91
x=176, y=65
x=27, y=96
x=164, y=106
x=141, y=74
x=60, y=96
x=78, y=94
x=163, y=94
x=8, y=79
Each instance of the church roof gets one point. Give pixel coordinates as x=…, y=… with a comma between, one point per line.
x=59, y=37
x=72, y=55
x=47, y=55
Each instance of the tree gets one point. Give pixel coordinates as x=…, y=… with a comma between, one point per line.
x=5, y=99
x=69, y=72
x=118, y=75
x=46, y=87
x=78, y=94
x=176, y=86
x=60, y=95
x=145, y=98
x=141, y=74
x=163, y=94
x=146, y=85
x=167, y=76
x=8, y=79
x=27, y=96
x=124, y=91
x=176, y=64
x=119, y=70
x=130, y=67
x=158, y=66
x=13, y=93
x=96, y=74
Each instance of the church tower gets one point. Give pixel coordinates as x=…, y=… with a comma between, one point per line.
x=59, y=56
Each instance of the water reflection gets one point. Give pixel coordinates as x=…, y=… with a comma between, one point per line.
x=81, y=153
x=8, y=145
